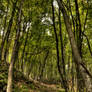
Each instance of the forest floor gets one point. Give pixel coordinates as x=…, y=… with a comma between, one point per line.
x=38, y=87
x=22, y=84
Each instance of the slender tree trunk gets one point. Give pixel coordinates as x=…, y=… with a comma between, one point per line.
x=15, y=48
x=79, y=30
x=62, y=52
x=44, y=63
x=6, y=37
x=57, y=49
x=80, y=81
x=22, y=57
x=78, y=60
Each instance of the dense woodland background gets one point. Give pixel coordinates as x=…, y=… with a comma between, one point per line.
x=48, y=41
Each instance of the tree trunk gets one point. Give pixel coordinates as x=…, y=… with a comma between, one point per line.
x=23, y=52
x=78, y=29
x=14, y=52
x=44, y=63
x=6, y=37
x=62, y=51
x=57, y=49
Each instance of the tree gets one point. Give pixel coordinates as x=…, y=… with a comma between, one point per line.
x=15, y=51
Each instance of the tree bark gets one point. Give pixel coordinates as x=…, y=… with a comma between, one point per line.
x=78, y=29
x=23, y=52
x=44, y=63
x=62, y=51
x=57, y=49
x=14, y=52
x=6, y=37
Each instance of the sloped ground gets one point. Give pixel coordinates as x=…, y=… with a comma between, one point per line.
x=21, y=84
